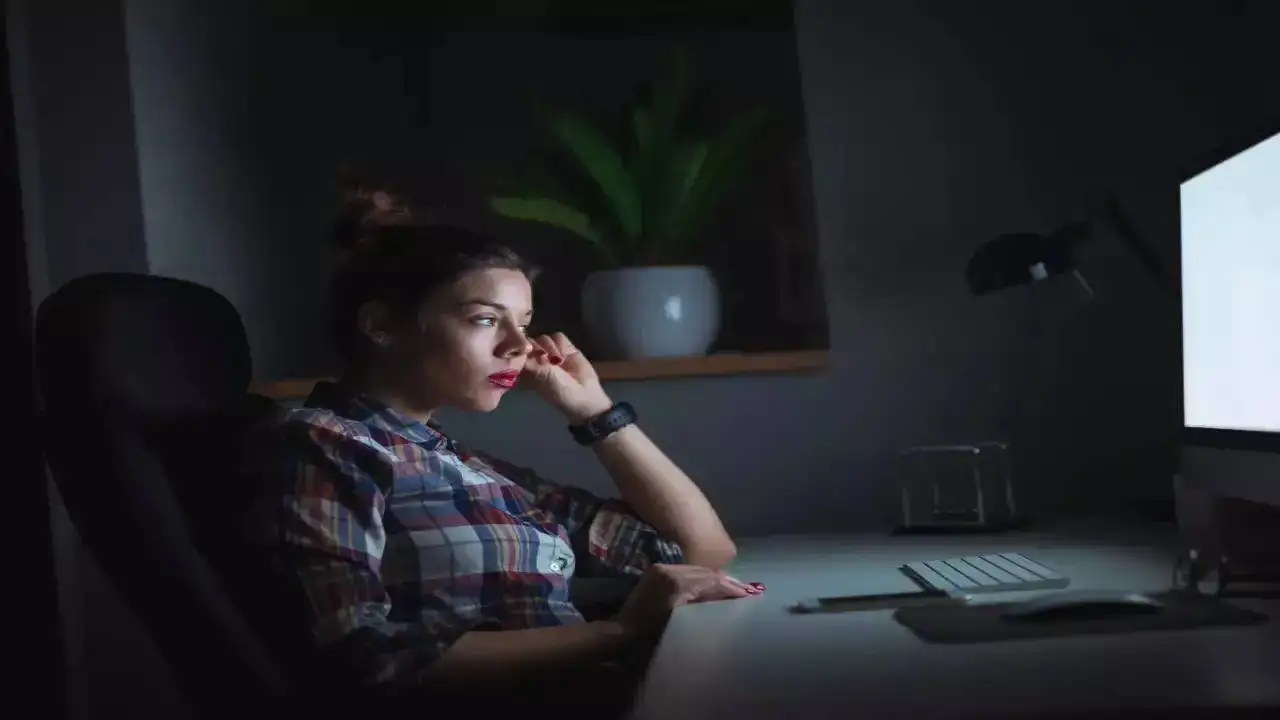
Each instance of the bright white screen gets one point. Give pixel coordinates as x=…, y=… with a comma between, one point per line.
x=1231, y=292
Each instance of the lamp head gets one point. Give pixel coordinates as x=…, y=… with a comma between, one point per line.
x=1023, y=258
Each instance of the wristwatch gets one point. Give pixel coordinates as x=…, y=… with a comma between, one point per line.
x=603, y=425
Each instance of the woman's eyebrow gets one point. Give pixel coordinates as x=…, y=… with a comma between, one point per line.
x=492, y=304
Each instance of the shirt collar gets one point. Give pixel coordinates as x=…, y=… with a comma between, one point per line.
x=364, y=408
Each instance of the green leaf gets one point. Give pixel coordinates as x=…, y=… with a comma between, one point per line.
x=642, y=159
x=670, y=99
x=724, y=166
x=604, y=165
x=642, y=126
x=687, y=162
x=671, y=96
x=688, y=168
x=549, y=212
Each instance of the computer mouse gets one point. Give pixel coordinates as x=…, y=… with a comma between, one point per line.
x=1083, y=605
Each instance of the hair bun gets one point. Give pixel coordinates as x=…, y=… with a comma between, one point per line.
x=364, y=211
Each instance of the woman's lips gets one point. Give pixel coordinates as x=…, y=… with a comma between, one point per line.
x=505, y=380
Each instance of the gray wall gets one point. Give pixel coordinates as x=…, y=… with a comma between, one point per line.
x=932, y=127
x=205, y=204
x=82, y=213
x=81, y=197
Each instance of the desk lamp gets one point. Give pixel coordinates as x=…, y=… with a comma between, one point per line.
x=1006, y=261
x=1017, y=259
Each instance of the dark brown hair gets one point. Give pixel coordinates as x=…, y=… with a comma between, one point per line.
x=389, y=258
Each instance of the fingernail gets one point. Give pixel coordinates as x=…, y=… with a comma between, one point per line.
x=556, y=359
x=752, y=591
x=758, y=586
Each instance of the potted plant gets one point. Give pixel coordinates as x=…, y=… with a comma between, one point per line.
x=644, y=204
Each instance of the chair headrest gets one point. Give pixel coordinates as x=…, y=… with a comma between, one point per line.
x=150, y=346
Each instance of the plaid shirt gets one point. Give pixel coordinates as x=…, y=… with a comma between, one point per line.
x=402, y=540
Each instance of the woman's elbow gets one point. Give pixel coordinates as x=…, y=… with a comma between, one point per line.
x=714, y=554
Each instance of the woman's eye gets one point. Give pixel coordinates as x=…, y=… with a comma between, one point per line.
x=490, y=321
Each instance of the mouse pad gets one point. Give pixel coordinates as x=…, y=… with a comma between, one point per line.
x=958, y=624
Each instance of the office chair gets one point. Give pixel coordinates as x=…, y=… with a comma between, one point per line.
x=144, y=383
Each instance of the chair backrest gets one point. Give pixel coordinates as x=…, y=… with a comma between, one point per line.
x=144, y=381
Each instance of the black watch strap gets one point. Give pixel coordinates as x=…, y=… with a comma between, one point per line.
x=603, y=425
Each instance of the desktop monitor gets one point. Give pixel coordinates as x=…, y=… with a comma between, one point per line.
x=1230, y=222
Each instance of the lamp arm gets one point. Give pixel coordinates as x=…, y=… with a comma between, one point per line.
x=1140, y=248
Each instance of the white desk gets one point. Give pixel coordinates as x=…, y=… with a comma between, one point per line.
x=753, y=659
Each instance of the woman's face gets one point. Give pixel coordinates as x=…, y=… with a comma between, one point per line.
x=469, y=344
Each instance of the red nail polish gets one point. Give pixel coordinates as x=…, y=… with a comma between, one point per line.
x=556, y=359
x=757, y=585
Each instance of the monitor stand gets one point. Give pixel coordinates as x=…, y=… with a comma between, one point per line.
x=1228, y=512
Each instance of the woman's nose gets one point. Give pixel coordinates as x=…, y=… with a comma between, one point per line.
x=516, y=346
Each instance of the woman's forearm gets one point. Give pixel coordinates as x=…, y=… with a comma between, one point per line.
x=513, y=653
x=662, y=494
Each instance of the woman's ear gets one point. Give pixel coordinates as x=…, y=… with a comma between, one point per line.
x=374, y=320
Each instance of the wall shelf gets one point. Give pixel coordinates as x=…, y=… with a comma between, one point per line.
x=801, y=361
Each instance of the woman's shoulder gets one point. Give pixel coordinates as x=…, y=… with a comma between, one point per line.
x=302, y=431
x=320, y=420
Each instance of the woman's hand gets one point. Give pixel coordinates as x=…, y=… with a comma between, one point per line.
x=664, y=588
x=564, y=377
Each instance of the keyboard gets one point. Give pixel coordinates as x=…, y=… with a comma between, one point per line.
x=1004, y=572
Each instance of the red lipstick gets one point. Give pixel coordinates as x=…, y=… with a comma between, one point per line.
x=505, y=379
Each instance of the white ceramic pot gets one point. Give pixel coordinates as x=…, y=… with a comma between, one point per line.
x=644, y=312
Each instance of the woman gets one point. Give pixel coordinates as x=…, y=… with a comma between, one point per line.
x=411, y=549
